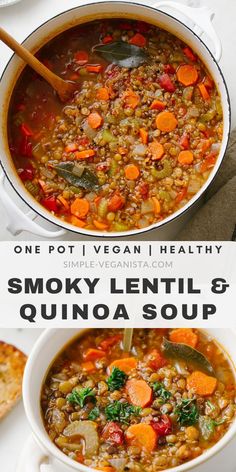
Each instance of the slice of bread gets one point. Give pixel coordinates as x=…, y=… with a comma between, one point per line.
x=12, y=364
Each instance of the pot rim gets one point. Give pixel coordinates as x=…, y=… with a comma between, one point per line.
x=44, y=440
x=36, y=207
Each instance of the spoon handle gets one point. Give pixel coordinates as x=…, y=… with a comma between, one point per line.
x=127, y=339
x=30, y=59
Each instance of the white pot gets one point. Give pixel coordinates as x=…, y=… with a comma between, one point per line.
x=199, y=25
x=46, y=349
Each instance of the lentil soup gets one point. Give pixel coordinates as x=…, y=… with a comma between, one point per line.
x=147, y=410
x=135, y=143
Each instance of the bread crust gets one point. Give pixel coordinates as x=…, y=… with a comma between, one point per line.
x=12, y=364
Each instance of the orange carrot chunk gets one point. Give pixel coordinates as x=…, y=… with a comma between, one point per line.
x=94, y=120
x=204, y=92
x=77, y=222
x=71, y=147
x=141, y=435
x=138, y=40
x=185, y=157
x=93, y=354
x=143, y=135
x=88, y=366
x=187, y=75
x=100, y=225
x=139, y=392
x=116, y=202
x=131, y=99
x=166, y=121
x=157, y=105
x=185, y=336
x=157, y=150
x=131, y=172
x=94, y=68
x=201, y=383
x=84, y=154
x=126, y=364
x=157, y=205
x=80, y=207
x=103, y=94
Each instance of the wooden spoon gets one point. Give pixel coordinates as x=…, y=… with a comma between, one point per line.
x=127, y=339
x=64, y=89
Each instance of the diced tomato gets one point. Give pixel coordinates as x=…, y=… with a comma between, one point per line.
x=83, y=141
x=162, y=425
x=25, y=130
x=144, y=190
x=25, y=147
x=166, y=83
x=113, y=434
x=138, y=40
x=189, y=54
x=208, y=162
x=81, y=57
x=110, y=342
x=50, y=203
x=27, y=173
x=184, y=141
x=155, y=360
x=107, y=39
x=93, y=354
x=181, y=195
x=169, y=69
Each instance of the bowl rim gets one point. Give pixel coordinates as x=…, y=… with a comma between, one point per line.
x=43, y=213
x=43, y=439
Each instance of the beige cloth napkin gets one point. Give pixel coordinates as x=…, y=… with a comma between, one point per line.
x=216, y=219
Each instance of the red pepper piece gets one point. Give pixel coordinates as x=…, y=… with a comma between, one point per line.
x=25, y=130
x=27, y=173
x=162, y=425
x=50, y=203
x=113, y=434
x=166, y=83
x=25, y=147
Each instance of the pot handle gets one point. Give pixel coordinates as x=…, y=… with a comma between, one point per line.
x=33, y=459
x=19, y=221
x=199, y=20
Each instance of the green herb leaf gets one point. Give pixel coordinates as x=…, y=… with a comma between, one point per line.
x=187, y=412
x=160, y=391
x=121, y=412
x=94, y=414
x=188, y=354
x=122, y=53
x=116, y=380
x=80, y=397
x=68, y=171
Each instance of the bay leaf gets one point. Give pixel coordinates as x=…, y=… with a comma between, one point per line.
x=188, y=354
x=123, y=54
x=87, y=180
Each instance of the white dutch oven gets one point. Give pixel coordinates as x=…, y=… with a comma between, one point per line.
x=44, y=456
x=193, y=26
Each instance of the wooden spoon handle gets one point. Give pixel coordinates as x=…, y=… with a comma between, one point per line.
x=55, y=81
x=127, y=339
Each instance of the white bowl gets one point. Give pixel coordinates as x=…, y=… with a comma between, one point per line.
x=50, y=343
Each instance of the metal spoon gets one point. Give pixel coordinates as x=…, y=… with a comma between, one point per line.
x=64, y=89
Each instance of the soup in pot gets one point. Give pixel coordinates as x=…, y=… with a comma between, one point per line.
x=165, y=403
x=135, y=143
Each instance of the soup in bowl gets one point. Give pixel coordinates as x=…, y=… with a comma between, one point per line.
x=135, y=144
x=170, y=401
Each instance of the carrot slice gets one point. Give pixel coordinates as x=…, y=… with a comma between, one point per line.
x=84, y=154
x=126, y=364
x=157, y=205
x=80, y=207
x=131, y=172
x=157, y=150
x=166, y=121
x=143, y=135
x=77, y=222
x=187, y=75
x=138, y=40
x=204, y=92
x=185, y=336
x=94, y=68
x=201, y=383
x=103, y=94
x=185, y=157
x=93, y=354
x=116, y=202
x=88, y=366
x=131, y=99
x=100, y=225
x=94, y=120
x=71, y=147
x=157, y=105
x=141, y=435
x=139, y=392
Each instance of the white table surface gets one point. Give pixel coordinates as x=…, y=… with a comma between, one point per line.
x=22, y=18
